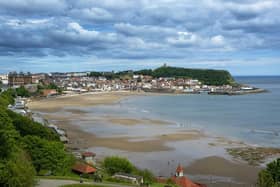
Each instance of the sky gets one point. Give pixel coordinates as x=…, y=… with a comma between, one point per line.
x=241, y=36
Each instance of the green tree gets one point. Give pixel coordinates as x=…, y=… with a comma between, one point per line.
x=8, y=135
x=22, y=91
x=26, y=126
x=148, y=176
x=48, y=155
x=270, y=177
x=7, y=97
x=115, y=164
x=17, y=171
x=15, y=168
x=207, y=76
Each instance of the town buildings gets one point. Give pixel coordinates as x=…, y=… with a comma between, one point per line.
x=81, y=82
x=4, y=79
x=19, y=79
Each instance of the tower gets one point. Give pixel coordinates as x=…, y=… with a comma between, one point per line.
x=179, y=171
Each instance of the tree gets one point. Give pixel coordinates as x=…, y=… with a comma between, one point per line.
x=22, y=91
x=47, y=155
x=15, y=167
x=8, y=135
x=270, y=177
x=26, y=126
x=116, y=164
x=17, y=171
x=148, y=176
x=207, y=76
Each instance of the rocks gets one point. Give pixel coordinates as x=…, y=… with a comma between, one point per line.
x=253, y=155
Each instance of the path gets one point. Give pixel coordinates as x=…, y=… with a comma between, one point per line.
x=57, y=183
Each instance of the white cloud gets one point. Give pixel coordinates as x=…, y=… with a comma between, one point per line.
x=184, y=39
x=137, y=29
x=33, y=6
x=218, y=40
x=92, y=14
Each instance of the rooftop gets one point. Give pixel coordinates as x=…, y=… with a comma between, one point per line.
x=83, y=168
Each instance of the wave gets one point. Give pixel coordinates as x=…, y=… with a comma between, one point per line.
x=145, y=111
x=260, y=131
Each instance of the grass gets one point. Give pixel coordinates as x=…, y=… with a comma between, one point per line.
x=81, y=185
x=90, y=185
x=74, y=178
x=158, y=185
x=77, y=178
x=162, y=185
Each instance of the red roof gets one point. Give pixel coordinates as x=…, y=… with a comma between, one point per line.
x=161, y=180
x=83, y=168
x=185, y=182
x=88, y=154
x=179, y=169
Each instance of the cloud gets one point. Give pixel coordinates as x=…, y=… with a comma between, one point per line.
x=92, y=14
x=184, y=39
x=218, y=40
x=125, y=29
x=32, y=6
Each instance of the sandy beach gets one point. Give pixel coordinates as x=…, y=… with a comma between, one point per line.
x=67, y=111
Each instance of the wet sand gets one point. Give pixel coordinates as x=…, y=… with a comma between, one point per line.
x=129, y=121
x=80, y=139
x=217, y=166
x=77, y=100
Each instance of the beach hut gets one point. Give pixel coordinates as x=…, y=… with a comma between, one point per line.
x=88, y=157
x=83, y=168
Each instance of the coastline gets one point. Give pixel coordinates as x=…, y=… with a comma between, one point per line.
x=82, y=140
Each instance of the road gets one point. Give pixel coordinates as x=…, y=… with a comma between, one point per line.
x=57, y=183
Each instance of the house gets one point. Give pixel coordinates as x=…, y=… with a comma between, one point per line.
x=88, y=157
x=19, y=79
x=182, y=181
x=49, y=92
x=4, y=79
x=134, y=179
x=83, y=168
x=19, y=103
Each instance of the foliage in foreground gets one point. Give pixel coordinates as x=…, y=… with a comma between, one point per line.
x=27, y=148
x=47, y=155
x=270, y=177
x=115, y=164
x=81, y=185
x=15, y=166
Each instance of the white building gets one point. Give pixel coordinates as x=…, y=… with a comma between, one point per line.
x=89, y=157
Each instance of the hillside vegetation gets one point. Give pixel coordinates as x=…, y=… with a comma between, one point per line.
x=27, y=148
x=206, y=76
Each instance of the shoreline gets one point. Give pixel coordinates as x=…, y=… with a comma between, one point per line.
x=83, y=140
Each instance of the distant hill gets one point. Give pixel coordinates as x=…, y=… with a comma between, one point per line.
x=206, y=76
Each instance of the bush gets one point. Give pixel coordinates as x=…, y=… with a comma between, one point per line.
x=48, y=155
x=148, y=176
x=22, y=91
x=26, y=126
x=270, y=177
x=17, y=171
x=116, y=164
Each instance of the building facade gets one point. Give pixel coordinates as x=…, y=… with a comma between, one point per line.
x=19, y=79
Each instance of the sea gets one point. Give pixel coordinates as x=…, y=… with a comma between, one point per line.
x=253, y=119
